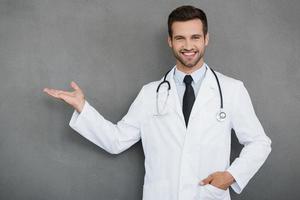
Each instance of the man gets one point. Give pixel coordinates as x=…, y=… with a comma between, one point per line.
x=185, y=139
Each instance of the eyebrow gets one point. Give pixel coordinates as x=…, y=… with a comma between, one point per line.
x=199, y=35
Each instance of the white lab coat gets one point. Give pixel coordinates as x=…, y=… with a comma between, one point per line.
x=178, y=158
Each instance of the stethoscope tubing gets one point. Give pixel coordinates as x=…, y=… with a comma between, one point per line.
x=220, y=90
x=164, y=81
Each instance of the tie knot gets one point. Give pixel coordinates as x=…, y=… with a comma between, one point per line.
x=188, y=79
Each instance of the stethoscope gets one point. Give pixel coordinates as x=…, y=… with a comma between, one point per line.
x=221, y=115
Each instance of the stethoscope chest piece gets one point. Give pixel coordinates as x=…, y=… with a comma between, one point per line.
x=221, y=115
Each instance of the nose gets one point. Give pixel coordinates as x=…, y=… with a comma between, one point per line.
x=188, y=45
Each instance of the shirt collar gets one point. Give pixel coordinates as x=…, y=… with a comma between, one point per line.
x=196, y=75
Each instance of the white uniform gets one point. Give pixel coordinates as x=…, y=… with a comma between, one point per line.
x=178, y=158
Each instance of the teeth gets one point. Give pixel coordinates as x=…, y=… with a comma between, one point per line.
x=188, y=54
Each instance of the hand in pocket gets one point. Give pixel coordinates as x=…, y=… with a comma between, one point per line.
x=220, y=180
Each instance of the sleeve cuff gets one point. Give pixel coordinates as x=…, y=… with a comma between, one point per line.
x=76, y=115
x=237, y=185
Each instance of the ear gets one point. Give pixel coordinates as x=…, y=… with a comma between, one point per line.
x=206, y=39
x=170, y=41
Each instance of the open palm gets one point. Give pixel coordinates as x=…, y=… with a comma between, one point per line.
x=74, y=98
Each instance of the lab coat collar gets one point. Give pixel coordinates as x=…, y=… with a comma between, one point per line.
x=196, y=75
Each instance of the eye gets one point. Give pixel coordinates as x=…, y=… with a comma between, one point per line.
x=196, y=37
x=178, y=38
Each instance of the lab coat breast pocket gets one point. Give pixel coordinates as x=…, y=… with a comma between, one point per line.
x=207, y=128
x=205, y=118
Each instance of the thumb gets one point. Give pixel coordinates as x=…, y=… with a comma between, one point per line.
x=206, y=180
x=75, y=86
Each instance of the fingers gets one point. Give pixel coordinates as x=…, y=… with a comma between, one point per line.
x=207, y=180
x=57, y=93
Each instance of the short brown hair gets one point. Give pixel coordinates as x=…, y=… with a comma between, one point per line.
x=185, y=13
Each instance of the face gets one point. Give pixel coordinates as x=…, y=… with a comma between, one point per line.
x=188, y=43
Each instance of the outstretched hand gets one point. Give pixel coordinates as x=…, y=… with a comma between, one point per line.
x=74, y=98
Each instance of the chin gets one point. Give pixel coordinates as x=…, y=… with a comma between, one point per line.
x=190, y=65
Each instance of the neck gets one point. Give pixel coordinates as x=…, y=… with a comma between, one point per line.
x=189, y=70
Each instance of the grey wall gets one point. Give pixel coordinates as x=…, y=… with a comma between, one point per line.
x=111, y=48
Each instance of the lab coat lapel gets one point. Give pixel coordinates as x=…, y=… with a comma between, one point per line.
x=175, y=103
x=206, y=92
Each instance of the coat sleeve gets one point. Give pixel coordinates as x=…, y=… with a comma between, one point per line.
x=251, y=134
x=113, y=138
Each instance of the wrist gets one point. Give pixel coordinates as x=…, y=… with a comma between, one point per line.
x=229, y=177
x=80, y=106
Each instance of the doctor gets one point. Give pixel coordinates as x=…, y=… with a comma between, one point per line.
x=185, y=139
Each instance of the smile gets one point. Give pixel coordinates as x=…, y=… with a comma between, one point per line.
x=189, y=54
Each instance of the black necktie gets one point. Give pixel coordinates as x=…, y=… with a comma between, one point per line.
x=188, y=98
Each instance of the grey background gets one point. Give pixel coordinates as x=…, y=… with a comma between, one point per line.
x=111, y=48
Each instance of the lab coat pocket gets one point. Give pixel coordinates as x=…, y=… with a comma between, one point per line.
x=214, y=192
x=158, y=190
x=210, y=192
